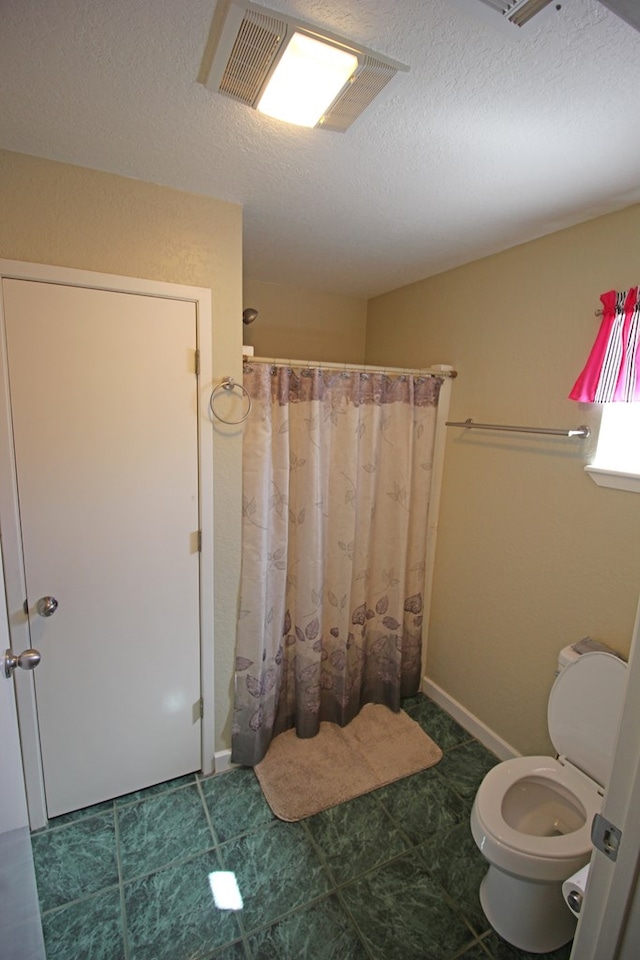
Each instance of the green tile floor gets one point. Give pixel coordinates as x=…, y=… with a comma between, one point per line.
x=392, y=875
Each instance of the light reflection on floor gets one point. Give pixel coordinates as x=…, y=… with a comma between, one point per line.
x=224, y=887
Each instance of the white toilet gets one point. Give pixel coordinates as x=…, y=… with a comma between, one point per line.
x=532, y=816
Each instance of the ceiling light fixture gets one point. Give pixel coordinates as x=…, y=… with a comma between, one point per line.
x=309, y=76
x=293, y=71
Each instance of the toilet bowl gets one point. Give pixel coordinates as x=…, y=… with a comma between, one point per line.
x=532, y=816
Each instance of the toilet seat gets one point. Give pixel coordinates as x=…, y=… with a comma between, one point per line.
x=584, y=711
x=503, y=844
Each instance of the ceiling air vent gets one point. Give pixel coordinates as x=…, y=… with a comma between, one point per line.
x=517, y=12
x=371, y=77
x=513, y=16
x=628, y=10
x=254, y=51
x=246, y=47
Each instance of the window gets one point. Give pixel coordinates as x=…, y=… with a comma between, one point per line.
x=611, y=377
x=617, y=460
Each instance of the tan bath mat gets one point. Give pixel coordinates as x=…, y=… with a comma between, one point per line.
x=302, y=777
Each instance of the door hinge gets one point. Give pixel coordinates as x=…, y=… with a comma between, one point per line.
x=606, y=837
x=197, y=362
x=199, y=541
x=201, y=707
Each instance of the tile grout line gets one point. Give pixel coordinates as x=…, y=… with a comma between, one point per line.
x=465, y=800
x=72, y=903
x=292, y=913
x=443, y=777
x=463, y=743
x=485, y=946
x=123, y=802
x=123, y=907
x=216, y=841
x=340, y=885
x=413, y=847
x=447, y=898
x=356, y=927
x=296, y=910
x=219, y=853
x=466, y=951
x=36, y=836
x=169, y=865
x=319, y=853
x=53, y=827
x=325, y=895
x=335, y=891
x=405, y=836
x=48, y=830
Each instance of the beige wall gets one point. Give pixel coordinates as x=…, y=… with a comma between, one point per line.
x=531, y=554
x=300, y=324
x=69, y=216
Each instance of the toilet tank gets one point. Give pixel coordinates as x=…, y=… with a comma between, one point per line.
x=574, y=650
x=566, y=656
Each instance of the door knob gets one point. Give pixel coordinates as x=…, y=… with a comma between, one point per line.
x=47, y=606
x=27, y=660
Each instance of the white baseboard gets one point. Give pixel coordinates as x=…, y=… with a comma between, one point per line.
x=469, y=721
x=222, y=761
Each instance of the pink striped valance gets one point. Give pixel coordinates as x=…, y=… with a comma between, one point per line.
x=612, y=372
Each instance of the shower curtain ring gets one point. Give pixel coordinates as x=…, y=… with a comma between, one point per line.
x=229, y=384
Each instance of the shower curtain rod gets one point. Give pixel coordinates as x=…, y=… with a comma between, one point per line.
x=436, y=370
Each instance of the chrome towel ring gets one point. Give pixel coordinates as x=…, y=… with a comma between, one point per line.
x=229, y=384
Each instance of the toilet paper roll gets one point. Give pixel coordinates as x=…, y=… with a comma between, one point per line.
x=573, y=889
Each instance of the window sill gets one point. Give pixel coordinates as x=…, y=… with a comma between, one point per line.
x=615, y=479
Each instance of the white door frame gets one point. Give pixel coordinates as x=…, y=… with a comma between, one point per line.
x=20, y=926
x=610, y=916
x=10, y=510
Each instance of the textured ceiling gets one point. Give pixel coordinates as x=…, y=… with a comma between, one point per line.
x=487, y=142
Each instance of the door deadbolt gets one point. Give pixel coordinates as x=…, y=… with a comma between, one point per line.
x=47, y=606
x=27, y=660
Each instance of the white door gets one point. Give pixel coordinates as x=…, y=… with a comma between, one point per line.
x=20, y=929
x=609, y=924
x=104, y=405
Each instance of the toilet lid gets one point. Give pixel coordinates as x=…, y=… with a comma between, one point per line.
x=584, y=711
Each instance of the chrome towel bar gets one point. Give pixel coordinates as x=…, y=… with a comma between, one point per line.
x=582, y=432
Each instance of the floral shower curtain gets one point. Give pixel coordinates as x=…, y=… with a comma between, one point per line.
x=336, y=483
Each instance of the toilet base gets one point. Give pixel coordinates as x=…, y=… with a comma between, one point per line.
x=529, y=915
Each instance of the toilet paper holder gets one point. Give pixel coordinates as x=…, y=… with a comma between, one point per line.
x=573, y=889
x=574, y=899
